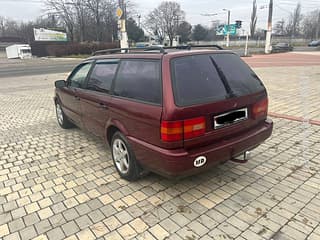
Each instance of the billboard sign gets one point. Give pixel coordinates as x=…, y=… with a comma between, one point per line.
x=42, y=34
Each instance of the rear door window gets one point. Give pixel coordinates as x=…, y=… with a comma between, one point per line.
x=139, y=80
x=202, y=79
x=102, y=75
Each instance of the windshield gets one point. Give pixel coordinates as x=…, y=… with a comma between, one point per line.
x=26, y=51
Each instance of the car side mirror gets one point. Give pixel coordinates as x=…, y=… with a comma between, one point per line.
x=60, y=83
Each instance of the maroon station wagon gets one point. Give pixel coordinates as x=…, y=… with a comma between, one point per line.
x=175, y=112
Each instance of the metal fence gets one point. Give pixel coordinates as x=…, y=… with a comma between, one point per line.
x=257, y=43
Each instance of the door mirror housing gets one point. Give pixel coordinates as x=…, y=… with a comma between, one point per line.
x=60, y=83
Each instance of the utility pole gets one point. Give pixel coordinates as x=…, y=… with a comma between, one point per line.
x=246, y=47
x=269, y=29
x=318, y=26
x=121, y=12
x=176, y=40
x=228, y=27
x=139, y=20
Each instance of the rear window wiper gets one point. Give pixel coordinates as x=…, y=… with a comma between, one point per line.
x=230, y=93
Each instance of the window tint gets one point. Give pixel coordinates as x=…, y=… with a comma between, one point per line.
x=140, y=80
x=79, y=75
x=102, y=76
x=196, y=81
x=206, y=78
x=241, y=79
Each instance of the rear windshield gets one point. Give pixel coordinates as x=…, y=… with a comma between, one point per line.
x=202, y=79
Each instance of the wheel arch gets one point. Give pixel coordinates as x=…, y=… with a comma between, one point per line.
x=114, y=127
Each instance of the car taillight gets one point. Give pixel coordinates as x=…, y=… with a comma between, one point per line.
x=260, y=109
x=194, y=127
x=171, y=131
x=177, y=130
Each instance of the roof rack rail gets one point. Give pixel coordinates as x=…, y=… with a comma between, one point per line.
x=127, y=50
x=204, y=46
x=151, y=49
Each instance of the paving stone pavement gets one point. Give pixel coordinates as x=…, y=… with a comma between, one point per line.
x=293, y=91
x=61, y=184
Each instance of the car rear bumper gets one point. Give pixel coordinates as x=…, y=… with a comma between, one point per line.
x=180, y=162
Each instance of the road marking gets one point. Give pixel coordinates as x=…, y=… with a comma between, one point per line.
x=294, y=118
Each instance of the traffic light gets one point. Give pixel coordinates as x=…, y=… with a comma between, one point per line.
x=238, y=24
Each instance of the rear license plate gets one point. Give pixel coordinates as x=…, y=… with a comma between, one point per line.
x=229, y=118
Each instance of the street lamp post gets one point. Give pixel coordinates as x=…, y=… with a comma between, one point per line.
x=228, y=27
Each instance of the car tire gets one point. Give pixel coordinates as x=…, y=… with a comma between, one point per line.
x=62, y=119
x=124, y=158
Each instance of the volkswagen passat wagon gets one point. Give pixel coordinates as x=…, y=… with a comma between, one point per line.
x=173, y=112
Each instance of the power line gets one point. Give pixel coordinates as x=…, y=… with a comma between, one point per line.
x=296, y=2
x=285, y=10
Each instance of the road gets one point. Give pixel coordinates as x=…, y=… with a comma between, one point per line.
x=16, y=68
x=255, y=50
x=290, y=59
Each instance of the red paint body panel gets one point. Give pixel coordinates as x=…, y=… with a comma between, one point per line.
x=141, y=120
x=70, y=101
x=95, y=111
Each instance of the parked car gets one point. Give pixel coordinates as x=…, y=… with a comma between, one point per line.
x=281, y=47
x=314, y=43
x=175, y=112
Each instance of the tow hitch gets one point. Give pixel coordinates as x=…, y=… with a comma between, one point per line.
x=243, y=158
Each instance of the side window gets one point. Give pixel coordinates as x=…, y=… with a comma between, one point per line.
x=140, y=80
x=79, y=75
x=102, y=75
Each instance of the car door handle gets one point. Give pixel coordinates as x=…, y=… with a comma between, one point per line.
x=77, y=98
x=103, y=106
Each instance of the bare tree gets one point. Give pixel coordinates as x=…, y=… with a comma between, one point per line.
x=184, y=31
x=83, y=20
x=293, y=27
x=2, y=26
x=254, y=18
x=155, y=25
x=199, y=33
x=79, y=9
x=64, y=9
x=96, y=7
x=110, y=20
x=279, y=27
x=86, y=20
x=164, y=20
x=212, y=32
x=11, y=28
x=311, y=24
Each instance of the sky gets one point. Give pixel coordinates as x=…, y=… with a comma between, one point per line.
x=24, y=10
